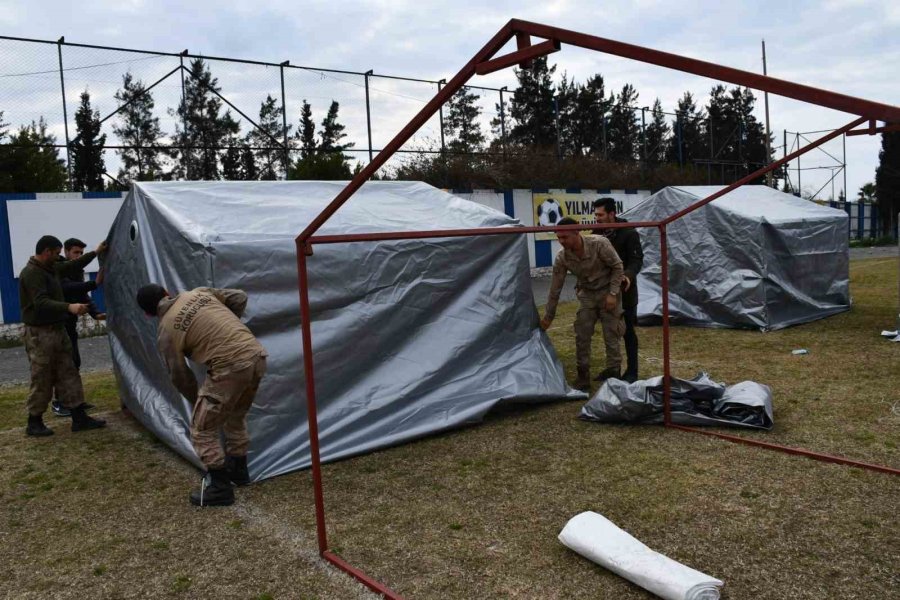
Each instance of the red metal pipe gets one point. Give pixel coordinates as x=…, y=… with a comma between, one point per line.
x=492, y=47
x=790, y=450
x=445, y=233
x=375, y=586
x=664, y=280
x=519, y=56
x=870, y=131
x=311, y=410
x=760, y=172
x=788, y=89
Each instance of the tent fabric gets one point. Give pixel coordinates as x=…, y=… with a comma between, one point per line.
x=755, y=258
x=411, y=337
x=697, y=401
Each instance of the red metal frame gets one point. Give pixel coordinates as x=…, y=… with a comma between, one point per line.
x=484, y=62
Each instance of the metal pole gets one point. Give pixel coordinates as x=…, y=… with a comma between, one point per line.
x=185, y=154
x=502, y=122
x=844, y=143
x=766, y=96
x=679, y=134
x=711, y=152
x=783, y=154
x=287, y=156
x=62, y=85
x=644, y=132
x=605, y=141
x=309, y=374
x=799, y=186
x=441, y=113
x=556, y=119
x=369, y=112
x=667, y=369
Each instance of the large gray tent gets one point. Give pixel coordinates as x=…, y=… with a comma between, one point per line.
x=411, y=337
x=754, y=258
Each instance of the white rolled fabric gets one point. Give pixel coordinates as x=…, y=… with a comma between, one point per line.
x=599, y=540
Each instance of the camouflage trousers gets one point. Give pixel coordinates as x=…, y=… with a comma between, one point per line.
x=50, y=354
x=590, y=310
x=222, y=405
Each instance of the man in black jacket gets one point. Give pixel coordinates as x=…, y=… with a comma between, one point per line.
x=627, y=243
x=75, y=291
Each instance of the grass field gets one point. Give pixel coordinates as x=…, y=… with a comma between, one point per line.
x=474, y=513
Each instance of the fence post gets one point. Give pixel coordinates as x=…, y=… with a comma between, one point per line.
x=440, y=84
x=287, y=156
x=185, y=150
x=62, y=85
x=644, y=133
x=369, y=112
x=556, y=119
x=680, y=136
x=502, y=123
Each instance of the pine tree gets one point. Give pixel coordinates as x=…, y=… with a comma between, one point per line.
x=307, y=132
x=591, y=110
x=567, y=116
x=332, y=132
x=531, y=107
x=231, y=161
x=687, y=133
x=268, y=139
x=249, y=170
x=657, y=136
x=32, y=163
x=87, y=148
x=887, y=182
x=461, y=122
x=721, y=127
x=201, y=130
x=139, y=131
x=752, y=151
x=623, y=130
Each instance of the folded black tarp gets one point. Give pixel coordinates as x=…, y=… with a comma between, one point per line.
x=697, y=401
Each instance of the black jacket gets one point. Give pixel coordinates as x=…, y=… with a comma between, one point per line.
x=627, y=243
x=75, y=290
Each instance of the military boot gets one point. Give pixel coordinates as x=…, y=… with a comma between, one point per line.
x=237, y=469
x=36, y=427
x=609, y=373
x=583, y=381
x=82, y=422
x=215, y=489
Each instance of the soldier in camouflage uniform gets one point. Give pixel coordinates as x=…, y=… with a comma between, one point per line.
x=204, y=324
x=44, y=312
x=598, y=270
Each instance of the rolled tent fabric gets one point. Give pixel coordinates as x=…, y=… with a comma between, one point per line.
x=596, y=538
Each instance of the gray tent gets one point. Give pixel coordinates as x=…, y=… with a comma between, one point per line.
x=754, y=258
x=412, y=337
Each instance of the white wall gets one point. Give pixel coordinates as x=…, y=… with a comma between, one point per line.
x=88, y=220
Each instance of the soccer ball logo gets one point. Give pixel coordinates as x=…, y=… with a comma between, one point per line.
x=549, y=212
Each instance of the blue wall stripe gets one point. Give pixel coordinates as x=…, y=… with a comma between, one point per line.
x=509, y=206
x=573, y=190
x=88, y=195
x=543, y=253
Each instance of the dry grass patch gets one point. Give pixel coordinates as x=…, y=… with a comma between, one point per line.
x=474, y=513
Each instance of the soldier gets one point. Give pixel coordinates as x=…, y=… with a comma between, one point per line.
x=205, y=325
x=75, y=290
x=598, y=270
x=627, y=243
x=44, y=312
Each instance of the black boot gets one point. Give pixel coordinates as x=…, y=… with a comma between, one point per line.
x=630, y=376
x=237, y=469
x=215, y=489
x=36, y=427
x=609, y=373
x=82, y=422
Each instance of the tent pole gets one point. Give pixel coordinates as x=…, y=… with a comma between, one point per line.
x=664, y=280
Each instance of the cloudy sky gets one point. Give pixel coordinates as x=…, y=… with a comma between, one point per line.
x=847, y=46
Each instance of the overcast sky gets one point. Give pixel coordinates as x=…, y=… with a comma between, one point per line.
x=847, y=46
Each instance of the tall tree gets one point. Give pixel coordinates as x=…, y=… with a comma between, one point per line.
x=591, y=110
x=623, y=130
x=201, y=129
x=687, y=132
x=566, y=119
x=231, y=161
x=32, y=163
x=326, y=161
x=332, y=131
x=87, y=148
x=752, y=150
x=138, y=131
x=461, y=122
x=657, y=136
x=887, y=182
x=307, y=132
x=531, y=107
x=249, y=170
x=268, y=140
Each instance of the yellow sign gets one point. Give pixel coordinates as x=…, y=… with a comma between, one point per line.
x=549, y=208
